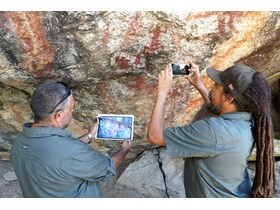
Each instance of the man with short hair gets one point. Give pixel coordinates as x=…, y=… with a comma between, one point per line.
x=215, y=150
x=49, y=161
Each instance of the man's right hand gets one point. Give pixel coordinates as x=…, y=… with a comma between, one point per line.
x=195, y=80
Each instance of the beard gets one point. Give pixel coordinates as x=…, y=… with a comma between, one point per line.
x=66, y=126
x=67, y=123
x=211, y=107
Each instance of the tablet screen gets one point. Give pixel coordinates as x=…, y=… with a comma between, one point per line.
x=115, y=127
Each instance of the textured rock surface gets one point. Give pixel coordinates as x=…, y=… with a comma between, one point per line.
x=146, y=175
x=111, y=61
x=155, y=174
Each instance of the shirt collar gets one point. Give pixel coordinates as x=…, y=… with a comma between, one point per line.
x=44, y=131
x=246, y=116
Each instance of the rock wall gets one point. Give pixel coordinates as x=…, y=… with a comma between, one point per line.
x=111, y=60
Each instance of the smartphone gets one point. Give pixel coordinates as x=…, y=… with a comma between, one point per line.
x=181, y=69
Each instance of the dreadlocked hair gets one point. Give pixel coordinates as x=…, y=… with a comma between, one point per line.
x=258, y=102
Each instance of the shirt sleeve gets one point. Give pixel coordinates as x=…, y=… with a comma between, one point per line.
x=90, y=165
x=197, y=139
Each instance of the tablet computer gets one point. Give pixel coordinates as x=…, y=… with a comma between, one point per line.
x=115, y=127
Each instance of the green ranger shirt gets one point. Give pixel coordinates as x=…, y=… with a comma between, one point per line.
x=49, y=162
x=215, y=152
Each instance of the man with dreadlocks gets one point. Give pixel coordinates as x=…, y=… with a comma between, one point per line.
x=216, y=149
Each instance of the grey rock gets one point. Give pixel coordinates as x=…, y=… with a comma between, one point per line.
x=145, y=175
x=173, y=169
x=10, y=176
x=3, y=182
x=155, y=174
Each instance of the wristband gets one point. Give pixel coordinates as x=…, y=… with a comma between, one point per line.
x=90, y=137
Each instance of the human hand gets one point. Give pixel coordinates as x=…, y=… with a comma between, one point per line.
x=88, y=137
x=93, y=129
x=125, y=145
x=165, y=80
x=195, y=80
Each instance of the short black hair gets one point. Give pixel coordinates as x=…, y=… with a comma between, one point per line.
x=45, y=98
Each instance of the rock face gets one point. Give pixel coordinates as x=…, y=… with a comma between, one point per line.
x=111, y=61
x=155, y=174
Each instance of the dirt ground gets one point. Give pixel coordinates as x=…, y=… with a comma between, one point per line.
x=11, y=189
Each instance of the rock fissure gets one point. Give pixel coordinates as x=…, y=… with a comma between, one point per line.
x=163, y=173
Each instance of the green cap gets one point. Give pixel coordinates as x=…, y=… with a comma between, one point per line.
x=236, y=79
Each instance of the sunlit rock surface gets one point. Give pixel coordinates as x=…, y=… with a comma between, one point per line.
x=111, y=61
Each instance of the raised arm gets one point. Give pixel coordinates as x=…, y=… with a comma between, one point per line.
x=196, y=81
x=156, y=125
